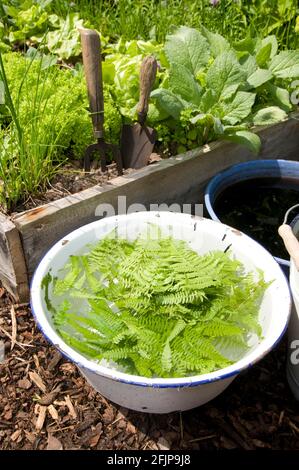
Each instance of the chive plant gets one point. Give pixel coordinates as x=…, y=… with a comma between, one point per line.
x=26, y=146
x=44, y=122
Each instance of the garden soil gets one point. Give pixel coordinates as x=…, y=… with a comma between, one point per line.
x=46, y=404
x=70, y=179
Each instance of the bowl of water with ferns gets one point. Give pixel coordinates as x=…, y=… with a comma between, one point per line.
x=159, y=310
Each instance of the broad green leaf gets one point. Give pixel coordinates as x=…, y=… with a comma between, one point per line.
x=259, y=77
x=280, y=96
x=225, y=75
x=132, y=48
x=248, y=64
x=263, y=48
x=54, y=20
x=65, y=42
x=264, y=55
x=156, y=114
x=203, y=120
x=168, y=101
x=273, y=41
x=10, y=10
x=147, y=47
x=246, y=45
x=48, y=61
x=183, y=83
x=189, y=48
x=285, y=64
x=238, y=109
x=33, y=53
x=231, y=129
x=108, y=70
x=15, y=36
x=218, y=127
x=218, y=43
x=209, y=99
x=246, y=138
x=270, y=115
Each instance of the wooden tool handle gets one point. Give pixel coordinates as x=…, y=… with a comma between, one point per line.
x=148, y=73
x=92, y=61
x=291, y=243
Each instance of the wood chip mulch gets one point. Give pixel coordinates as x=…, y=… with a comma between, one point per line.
x=46, y=404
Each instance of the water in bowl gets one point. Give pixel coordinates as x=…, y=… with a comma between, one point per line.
x=257, y=208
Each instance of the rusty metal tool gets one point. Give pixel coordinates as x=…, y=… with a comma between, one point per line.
x=138, y=140
x=92, y=61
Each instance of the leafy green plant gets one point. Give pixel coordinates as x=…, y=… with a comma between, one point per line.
x=155, y=307
x=33, y=22
x=153, y=20
x=28, y=20
x=206, y=88
x=44, y=120
x=121, y=71
x=25, y=18
x=273, y=17
x=213, y=90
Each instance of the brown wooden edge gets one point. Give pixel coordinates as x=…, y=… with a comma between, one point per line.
x=13, y=271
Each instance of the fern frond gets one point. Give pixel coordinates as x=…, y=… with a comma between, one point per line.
x=155, y=307
x=72, y=271
x=82, y=347
x=166, y=357
x=217, y=328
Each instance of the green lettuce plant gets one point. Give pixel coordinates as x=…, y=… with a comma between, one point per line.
x=214, y=90
x=206, y=87
x=35, y=22
x=121, y=71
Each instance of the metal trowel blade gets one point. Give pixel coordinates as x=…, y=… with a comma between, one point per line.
x=137, y=143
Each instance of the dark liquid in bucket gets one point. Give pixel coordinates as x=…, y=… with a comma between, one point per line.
x=257, y=207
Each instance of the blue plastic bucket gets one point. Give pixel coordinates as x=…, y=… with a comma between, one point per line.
x=247, y=171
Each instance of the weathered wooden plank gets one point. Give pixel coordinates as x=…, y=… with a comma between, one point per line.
x=13, y=271
x=180, y=179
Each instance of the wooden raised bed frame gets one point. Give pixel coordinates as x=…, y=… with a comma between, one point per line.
x=27, y=236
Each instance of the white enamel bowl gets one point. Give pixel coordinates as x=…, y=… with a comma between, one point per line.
x=166, y=395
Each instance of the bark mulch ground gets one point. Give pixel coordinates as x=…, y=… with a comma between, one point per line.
x=46, y=404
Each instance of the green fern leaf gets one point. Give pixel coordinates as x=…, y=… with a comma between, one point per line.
x=154, y=307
